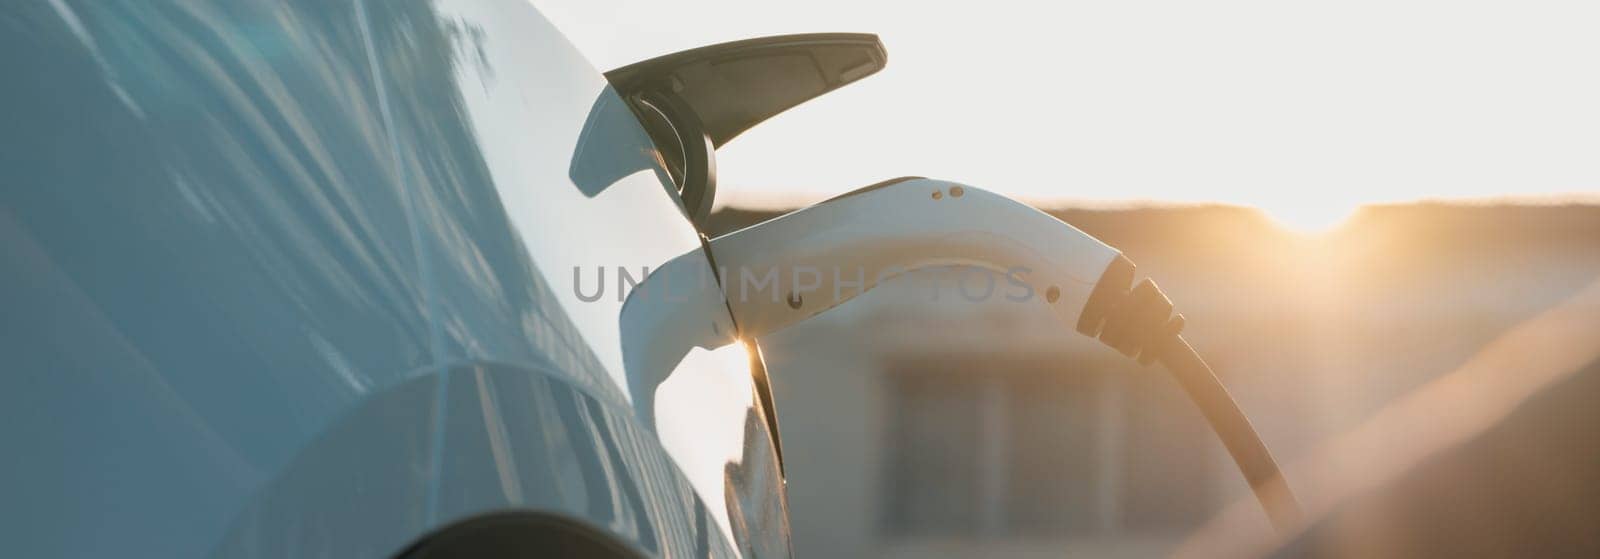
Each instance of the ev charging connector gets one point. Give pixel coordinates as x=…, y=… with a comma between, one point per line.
x=907, y=225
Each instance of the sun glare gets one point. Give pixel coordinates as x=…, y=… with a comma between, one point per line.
x=1310, y=217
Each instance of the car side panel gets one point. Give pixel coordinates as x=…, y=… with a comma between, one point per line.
x=290, y=277
x=538, y=443
x=531, y=175
x=204, y=263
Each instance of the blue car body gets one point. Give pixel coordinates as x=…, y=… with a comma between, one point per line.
x=303, y=278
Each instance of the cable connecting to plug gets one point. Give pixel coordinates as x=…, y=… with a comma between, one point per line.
x=918, y=223
x=1139, y=323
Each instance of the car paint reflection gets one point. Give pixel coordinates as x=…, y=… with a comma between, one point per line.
x=208, y=222
x=279, y=277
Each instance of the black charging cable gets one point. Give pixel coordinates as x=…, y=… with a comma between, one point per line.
x=1139, y=323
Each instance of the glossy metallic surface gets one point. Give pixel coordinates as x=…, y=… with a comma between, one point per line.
x=291, y=279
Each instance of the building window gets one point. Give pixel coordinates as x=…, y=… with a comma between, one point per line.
x=1035, y=452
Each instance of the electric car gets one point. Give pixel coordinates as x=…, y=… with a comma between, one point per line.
x=368, y=278
x=296, y=279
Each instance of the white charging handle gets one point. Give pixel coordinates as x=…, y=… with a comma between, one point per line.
x=826, y=254
x=902, y=226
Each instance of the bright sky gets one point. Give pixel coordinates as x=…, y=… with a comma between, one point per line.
x=1306, y=110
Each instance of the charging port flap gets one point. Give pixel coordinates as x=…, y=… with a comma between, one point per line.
x=731, y=87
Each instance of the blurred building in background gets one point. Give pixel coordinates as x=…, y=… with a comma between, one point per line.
x=939, y=427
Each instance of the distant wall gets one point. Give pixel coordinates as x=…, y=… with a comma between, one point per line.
x=1312, y=334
